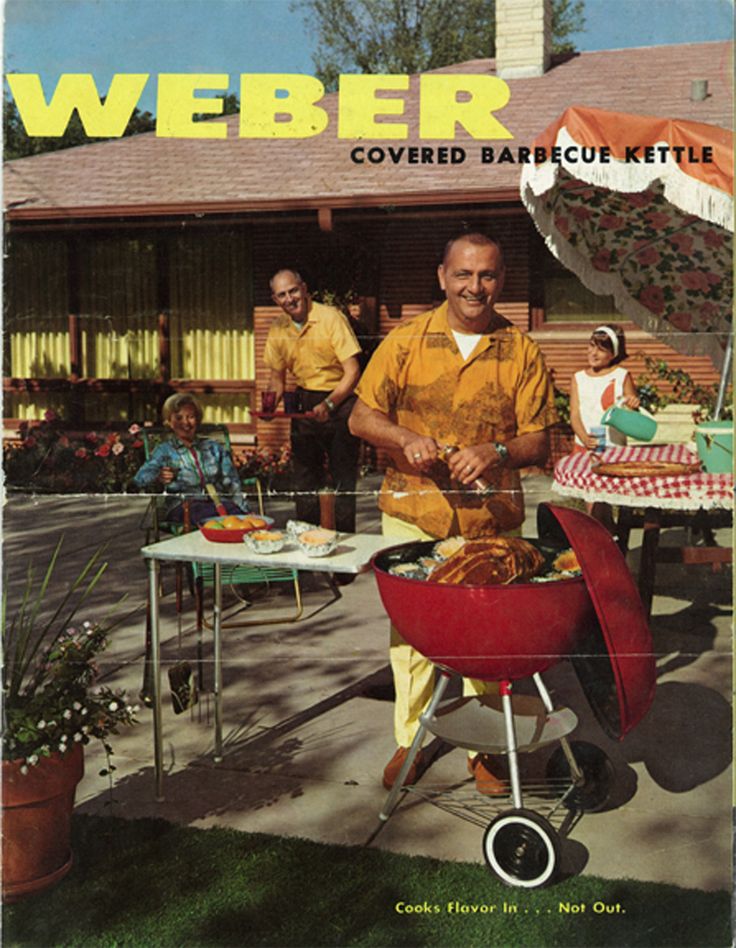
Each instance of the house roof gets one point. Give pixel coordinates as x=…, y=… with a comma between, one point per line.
x=143, y=175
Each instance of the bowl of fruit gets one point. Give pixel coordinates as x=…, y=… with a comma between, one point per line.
x=233, y=527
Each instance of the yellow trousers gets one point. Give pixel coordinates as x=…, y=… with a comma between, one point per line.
x=413, y=673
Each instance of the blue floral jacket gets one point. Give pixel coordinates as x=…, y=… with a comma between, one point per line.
x=206, y=462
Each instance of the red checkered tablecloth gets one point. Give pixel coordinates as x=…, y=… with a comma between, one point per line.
x=574, y=478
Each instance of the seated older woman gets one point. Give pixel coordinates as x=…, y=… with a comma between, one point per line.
x=185, y=464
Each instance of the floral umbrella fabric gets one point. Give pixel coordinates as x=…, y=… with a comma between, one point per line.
x=657, y=235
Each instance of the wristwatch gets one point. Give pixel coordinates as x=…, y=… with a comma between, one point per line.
x=501, y=450
x=331, y=406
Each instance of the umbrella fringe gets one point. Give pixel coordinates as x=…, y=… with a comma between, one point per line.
x=681, y=189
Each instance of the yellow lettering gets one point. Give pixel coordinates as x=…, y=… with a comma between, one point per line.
x=76, y=91
x=439, y=108
x=260, y=106
x=177, y=105
x=358, y=107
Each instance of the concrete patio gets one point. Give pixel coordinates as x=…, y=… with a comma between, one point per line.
x=308, y=712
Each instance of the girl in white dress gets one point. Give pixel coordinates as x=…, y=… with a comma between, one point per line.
x=603, y=383
x=599, y=386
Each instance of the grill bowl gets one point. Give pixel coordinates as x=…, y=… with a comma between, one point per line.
x=488, y=632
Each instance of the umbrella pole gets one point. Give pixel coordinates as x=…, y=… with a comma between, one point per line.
x=725, y=373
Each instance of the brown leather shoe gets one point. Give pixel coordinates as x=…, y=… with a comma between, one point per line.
x=396, y=763
x=486, y=781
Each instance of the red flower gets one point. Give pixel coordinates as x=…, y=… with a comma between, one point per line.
x=639, y=199
x=653, y=298
x=137, y=444
x=695, y=280
x=682, y=321
x=64, y=441
x=91, y=436
x=683, y=242
x=709, y=311
x=648, y=256
x=657, y=219
x=103, y=451
x=112, y=438
x=581, y=213
x=712, y=238
x=80, y=453
x=602, y=260
x=611, y=221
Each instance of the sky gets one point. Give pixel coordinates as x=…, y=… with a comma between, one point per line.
x=102, y=37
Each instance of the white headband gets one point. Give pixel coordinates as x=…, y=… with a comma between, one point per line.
x=611, y=335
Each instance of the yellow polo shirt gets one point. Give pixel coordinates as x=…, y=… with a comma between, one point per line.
x=314, y=354
x=419, y=379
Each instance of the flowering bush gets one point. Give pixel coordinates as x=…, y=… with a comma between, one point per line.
x=680, y=387
x=264, y=464
x=50, y=702
x=51, y=457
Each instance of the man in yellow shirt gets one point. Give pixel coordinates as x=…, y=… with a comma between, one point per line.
x=459, y=375
x=317, y=345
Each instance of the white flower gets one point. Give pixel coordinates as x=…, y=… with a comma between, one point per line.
x=85, y=730
x=113, y=706
x=77, y=706
x=87, y=625
x=78, y=736
x=84, y=711
x=41, y=725
x=67, y=714
x=51, y=724
x=32, y=760
x=62, y=747
x=23, y=769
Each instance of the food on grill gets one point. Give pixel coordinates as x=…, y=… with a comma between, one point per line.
x=490, y=561
x=409, y=571
x=645, y=468
x=566, y=561
x=446, y=548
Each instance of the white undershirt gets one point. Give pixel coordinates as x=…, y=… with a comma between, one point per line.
x=466, y=342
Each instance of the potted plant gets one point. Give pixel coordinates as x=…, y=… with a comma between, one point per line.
x=51, y=709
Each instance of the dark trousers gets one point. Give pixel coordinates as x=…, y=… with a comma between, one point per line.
x=324, y=455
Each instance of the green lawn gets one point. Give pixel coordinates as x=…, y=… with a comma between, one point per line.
x=150, y=883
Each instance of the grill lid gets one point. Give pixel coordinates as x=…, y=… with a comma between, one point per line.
x=615, y=662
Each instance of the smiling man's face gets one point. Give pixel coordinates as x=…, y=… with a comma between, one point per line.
x=472, y=278
x=291, y=294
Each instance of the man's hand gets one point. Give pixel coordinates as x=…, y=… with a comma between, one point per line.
x=321, y=412
x=420, y=451
x=468, y=464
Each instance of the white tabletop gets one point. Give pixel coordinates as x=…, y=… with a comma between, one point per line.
x=352, y=554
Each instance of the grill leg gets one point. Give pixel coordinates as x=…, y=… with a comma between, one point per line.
x=575, y=772
x=398, y=786
x=508, y=717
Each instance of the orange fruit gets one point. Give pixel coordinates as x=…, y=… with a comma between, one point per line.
x=213, y=525
x=233, y=523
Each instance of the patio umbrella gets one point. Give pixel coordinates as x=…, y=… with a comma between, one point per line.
x=632, y=205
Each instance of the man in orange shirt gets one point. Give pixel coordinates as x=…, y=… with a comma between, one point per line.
x=317, y=345
x=458, y=375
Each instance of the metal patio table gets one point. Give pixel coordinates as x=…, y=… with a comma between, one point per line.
x=352, y=555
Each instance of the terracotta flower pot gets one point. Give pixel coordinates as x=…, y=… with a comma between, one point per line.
x=36, y=827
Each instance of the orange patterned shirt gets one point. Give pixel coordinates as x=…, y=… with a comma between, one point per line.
x=419, y=379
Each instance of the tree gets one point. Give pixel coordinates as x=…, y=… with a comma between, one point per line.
x=408, y=36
